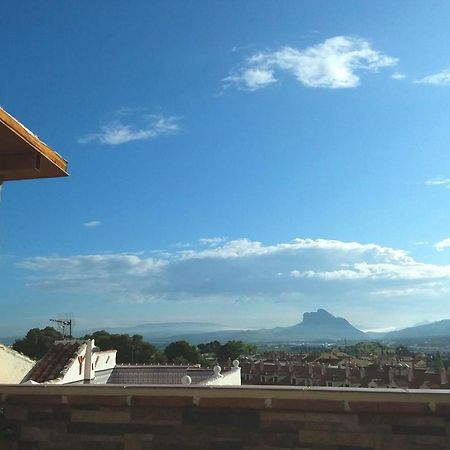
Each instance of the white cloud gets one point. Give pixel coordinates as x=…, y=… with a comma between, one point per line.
x=333, y=64
x=117, y=275
x=439, y=181
x=127, y=125
x=213, y=241
x=426, y=290
x=436, y=79
x=251, y=79
x=92, y=224
x=380, y=330
x=182, y=245
x=442, y=245
x=381, y=271
x=420, y=243
x=245, y=270
x=398, y=76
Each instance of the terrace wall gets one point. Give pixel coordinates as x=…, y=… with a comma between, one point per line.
x=221, y=418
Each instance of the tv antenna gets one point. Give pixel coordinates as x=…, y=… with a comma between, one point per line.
x=63, y=324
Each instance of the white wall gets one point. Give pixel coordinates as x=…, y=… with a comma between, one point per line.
x=13, y=365
x=229, y=378
x=85, y=367
x=104, y=360
x=73, y=373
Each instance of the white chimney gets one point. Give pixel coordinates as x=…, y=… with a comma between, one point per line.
x=410, y=374
x=323, y=369
x=347, y=372
x=444, y=379
x=89, y=371
x=391, y=375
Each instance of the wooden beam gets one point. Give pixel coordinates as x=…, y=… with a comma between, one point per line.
x=22, y=162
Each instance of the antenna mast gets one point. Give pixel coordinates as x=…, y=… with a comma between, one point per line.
x=63, y=323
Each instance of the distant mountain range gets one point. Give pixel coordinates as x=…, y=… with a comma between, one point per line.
x=318, y=326
x=440, y=328
x=158, y=331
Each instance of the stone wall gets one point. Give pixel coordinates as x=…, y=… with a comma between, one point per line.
x=221, y=418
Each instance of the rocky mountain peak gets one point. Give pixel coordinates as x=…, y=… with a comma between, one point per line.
x=320, y=317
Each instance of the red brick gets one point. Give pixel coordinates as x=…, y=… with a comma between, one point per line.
x=308, y=405
x=443, y=408
x=367, y=407
x=241, y=403
x=389, y=407
x=103, y=415
x=155, y=415
x=403, y=407
x=34, y=399
x=97, y=400
x=174, y=402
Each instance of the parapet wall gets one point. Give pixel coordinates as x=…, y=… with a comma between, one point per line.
x=221, y=418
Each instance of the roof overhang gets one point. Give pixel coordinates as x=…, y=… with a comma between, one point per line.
x=23, y=155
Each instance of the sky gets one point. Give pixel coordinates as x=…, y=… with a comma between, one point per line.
x=231, y=162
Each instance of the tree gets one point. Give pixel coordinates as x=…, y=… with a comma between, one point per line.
x=211, y=347
x=402, y=351
x=130, y=349
x=437, y=362
x=181, y=351
x=37, y=342
x=234, y=349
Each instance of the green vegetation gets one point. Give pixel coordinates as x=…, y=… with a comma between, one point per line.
x=134, y=350
x=367, y=348
x=230, y=350
x=181, y=352
x=37, y=342
x=130, y=349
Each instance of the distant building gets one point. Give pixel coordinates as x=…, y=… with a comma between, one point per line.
x=72, y=361
x=393, y=376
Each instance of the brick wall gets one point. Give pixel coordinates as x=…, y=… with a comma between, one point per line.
x=221, y=418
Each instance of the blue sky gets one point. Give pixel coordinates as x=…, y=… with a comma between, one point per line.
x=230, y=162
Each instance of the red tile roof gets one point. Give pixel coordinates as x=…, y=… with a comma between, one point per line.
x=54, y=361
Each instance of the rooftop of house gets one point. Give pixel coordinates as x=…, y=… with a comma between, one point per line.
x=23, y=155
x=55, y=361
x=144, y=374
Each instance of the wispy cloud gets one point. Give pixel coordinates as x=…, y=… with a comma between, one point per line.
x=332, y=64
x=439, y=181
x=128, y=124
x=442, y=245
x=436, y=79
x=251, y=79
x=212, y=241
x=428, y=289
x=398, y=76
x=92, y=224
